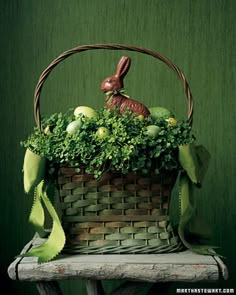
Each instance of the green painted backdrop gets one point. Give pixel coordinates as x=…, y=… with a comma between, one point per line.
x=198, y=35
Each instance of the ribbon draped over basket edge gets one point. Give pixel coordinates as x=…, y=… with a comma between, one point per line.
x=194, y=161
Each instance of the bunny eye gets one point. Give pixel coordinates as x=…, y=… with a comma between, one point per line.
x=109, y=80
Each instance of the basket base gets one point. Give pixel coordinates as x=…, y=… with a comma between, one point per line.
x=175, y=246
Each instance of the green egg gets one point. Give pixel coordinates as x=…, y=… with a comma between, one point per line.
x=74, y=126
x=102, y=132
x=86, y=111
x=153, y=130
x=160, y=112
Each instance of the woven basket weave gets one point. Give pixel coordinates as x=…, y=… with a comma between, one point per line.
x=116, y=213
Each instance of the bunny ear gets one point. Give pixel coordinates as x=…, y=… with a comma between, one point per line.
x=123, y=66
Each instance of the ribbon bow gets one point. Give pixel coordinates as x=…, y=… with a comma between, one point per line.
x=110, y=94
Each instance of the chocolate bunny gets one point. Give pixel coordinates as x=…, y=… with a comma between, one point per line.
x=113, y=87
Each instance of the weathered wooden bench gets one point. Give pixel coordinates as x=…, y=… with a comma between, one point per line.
x=136, y=269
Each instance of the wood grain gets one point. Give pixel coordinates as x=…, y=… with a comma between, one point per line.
x=184, y=266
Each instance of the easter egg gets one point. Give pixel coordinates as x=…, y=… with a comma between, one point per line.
x=74, y=126
x=171, y=121
x=102, y=132
x=160, y=112
x=86, y=111
x=153, y=130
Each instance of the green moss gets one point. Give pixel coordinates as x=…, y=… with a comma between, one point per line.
x=128, y=147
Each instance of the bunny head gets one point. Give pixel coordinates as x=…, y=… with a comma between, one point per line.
x=115, y=82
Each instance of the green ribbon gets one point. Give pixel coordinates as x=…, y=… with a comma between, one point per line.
x=110, y=94
x=34, y=174
x=194, y=161
x=34, y=170
x=37, y=217
x=56, y=240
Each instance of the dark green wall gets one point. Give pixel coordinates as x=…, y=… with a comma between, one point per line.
x=198, y=35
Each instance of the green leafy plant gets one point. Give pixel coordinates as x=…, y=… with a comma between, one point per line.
x=126, y=146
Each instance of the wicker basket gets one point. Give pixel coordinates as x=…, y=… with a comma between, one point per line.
x=117, y=213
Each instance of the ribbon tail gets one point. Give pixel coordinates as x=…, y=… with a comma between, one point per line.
x=37, y=217
x=187, y=211
x=56, y=240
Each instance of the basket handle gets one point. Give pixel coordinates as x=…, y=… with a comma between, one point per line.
x=82, y=48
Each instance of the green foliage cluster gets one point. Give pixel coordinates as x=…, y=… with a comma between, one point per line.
x=127, y=148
